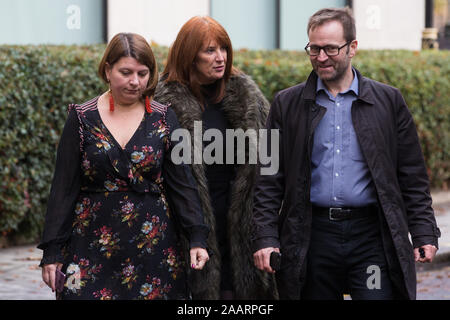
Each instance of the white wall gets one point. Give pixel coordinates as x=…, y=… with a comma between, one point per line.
x=156, y=20
x=294, y=20
x=380, y=24
x=250, y=24
x=58, y=22
x=389, y=24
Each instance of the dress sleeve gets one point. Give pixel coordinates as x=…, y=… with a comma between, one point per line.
x=64, y=192
x=183, y=194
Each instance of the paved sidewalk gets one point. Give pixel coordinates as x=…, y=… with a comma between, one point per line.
x=20, y=275
x=441, y=206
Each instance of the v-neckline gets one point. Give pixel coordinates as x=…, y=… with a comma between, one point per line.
x=110, y=133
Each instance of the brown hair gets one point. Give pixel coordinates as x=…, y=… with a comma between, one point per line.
x=134, y=46
x=342, y=15
x=183, y=53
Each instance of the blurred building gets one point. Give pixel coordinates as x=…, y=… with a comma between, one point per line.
x=252, y=24
x=440, y=19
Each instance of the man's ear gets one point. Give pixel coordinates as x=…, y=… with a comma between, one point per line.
x=353, y=48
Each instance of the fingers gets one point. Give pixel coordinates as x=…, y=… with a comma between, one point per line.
x=416, y=254
x=45, y=276
x=261, y=259
x=49, y=275
x=429, y=251
x=258, y=259
x=199, y=257
x=200, y=264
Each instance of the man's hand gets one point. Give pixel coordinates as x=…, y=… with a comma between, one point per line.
x=430, y=252
x=261, y=258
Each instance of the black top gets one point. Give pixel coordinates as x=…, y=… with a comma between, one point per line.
x=220, y=177
x=214, y=118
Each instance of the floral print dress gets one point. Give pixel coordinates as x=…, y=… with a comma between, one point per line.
x=108, y=218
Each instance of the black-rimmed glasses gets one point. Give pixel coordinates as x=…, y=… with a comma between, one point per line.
x=329, y=50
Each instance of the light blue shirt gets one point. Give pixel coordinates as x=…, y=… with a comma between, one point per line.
x=340, y=176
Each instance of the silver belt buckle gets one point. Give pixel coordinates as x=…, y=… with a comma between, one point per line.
x=330, y=213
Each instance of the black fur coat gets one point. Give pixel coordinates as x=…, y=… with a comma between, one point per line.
x=246, y=108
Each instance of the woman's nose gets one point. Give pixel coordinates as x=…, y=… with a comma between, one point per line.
x=219, y=55
x=134, y=79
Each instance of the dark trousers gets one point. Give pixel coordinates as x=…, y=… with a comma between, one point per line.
x=347, y=257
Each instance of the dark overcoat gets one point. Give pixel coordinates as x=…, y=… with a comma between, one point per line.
x=389, y=143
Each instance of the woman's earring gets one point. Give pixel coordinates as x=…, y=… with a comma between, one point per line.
x=111, y=101
x=148, y=107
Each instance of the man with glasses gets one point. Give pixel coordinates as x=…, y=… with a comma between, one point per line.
x=352, y=181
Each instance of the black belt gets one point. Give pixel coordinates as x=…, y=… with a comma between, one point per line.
x=338, y=214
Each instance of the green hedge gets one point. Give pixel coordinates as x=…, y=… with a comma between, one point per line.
x=38, y=82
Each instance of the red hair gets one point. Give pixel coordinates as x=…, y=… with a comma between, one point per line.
x=190, y=40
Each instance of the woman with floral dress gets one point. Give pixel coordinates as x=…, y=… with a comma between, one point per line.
x=109, y=226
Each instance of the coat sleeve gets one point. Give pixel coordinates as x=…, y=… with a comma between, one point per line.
x=257, y=97
x=64, y=192
x=269, y=187
x=413, y=180
x=182, y=193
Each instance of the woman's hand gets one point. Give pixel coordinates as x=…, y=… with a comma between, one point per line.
x=199, y=257
x=49, y=274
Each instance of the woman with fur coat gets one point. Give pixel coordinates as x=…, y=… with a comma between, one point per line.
x=200, y=84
